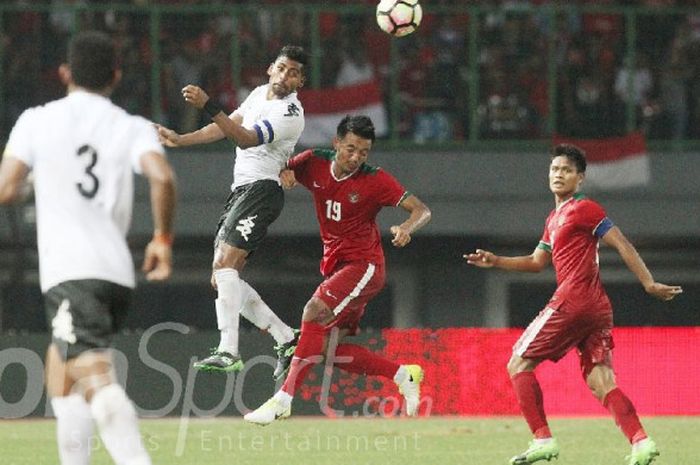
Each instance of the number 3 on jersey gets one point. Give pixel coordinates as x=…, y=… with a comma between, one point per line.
x=333, y=210
x=88, y=187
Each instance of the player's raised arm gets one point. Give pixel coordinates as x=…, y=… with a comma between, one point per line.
x=533, y=263
x=419, y=217
x=231, y=128
x=634, y=262
x=207, y=134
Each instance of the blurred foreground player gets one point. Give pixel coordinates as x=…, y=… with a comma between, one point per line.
x=82, y=151
x=579, y=314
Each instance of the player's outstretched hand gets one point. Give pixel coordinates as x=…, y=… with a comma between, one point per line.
x=287, y=179
x=195, y=96
x=663, y=291
x=401, y=236
x=158, y=261
x=480, y=258
x=167, y=137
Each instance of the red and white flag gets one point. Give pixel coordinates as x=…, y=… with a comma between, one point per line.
x=614, y=162
x=324, y=108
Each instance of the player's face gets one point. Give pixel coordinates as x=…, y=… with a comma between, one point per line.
x=350, y=153
x=564, y=178
x=286, y=76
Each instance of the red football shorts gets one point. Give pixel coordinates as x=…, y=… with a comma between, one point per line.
x=553, y=333
x=348, y=289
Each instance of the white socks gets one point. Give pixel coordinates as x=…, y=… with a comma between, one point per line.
x=237, y=297
x=401, y=375
x=540, y=441
x=228, y=304
x=639, y=444
x=116, y=419
x=74, y=429
x=256, y=311
x=284, y=398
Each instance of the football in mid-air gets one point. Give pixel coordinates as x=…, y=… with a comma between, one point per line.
x=399, y=17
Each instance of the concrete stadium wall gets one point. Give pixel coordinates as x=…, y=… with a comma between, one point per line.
x=472, y=194
x=490, y=200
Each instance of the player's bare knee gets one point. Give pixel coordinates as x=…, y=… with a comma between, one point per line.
x=515, y=365
x=92, y=370
x=228, y=256
x=597, y=389
x=600, y=380
x=317, y=311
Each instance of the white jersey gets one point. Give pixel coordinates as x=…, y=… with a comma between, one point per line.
x=83, y=151
x=279, y=123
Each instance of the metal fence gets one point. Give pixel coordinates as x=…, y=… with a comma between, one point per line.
x=470, y=76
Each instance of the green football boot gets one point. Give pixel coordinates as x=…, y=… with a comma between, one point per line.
x=220, y=361
x=644, y=455
x=537, y=452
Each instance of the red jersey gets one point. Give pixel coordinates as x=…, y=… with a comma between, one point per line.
x=571, y=235
x=347, y=208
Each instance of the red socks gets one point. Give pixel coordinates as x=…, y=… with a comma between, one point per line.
x=529, y=395
x=309, y=351
x=349, y=357
x=357, y=359
x=625, y=415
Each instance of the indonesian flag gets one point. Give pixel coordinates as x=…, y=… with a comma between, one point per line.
x=324, y=108
x=615, y=162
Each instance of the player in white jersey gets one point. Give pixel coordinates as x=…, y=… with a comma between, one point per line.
x=82, y=151
x=265, y=128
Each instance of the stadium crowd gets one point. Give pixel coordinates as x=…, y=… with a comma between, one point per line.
x=596, y=82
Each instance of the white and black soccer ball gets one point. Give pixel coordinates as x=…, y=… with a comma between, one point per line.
x=399, y=17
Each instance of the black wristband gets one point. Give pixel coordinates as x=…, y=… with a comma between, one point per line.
x=211, y=108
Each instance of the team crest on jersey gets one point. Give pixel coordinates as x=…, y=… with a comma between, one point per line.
x=353, y=197
x=292, y=110
x=560, y=220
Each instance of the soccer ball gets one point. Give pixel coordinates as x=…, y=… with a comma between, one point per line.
x=399, y=17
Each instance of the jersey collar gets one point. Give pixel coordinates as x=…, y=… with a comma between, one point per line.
x=576, y=196
x=344, y=177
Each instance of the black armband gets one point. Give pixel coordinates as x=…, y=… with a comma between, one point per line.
x=211, y=108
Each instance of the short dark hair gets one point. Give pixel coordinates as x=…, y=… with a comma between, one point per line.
x=296, y=53
x=573, y=153
x=360, y=125
x=92, y=60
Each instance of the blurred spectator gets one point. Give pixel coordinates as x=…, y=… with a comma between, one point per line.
x=412, y=82
x=433, y=69
x=586, y=99
x=503, y=112
x=507, y=94
x=133, y=92
x=634, y=81
x=185, y=68
x=63, y=18
x=675, y=75
x=355, y=67
x=633, y=86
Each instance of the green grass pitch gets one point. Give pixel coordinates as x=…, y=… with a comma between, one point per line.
x=373, y=441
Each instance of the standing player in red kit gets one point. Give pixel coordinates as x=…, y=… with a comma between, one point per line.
x=348, y=194
x=579, y=314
